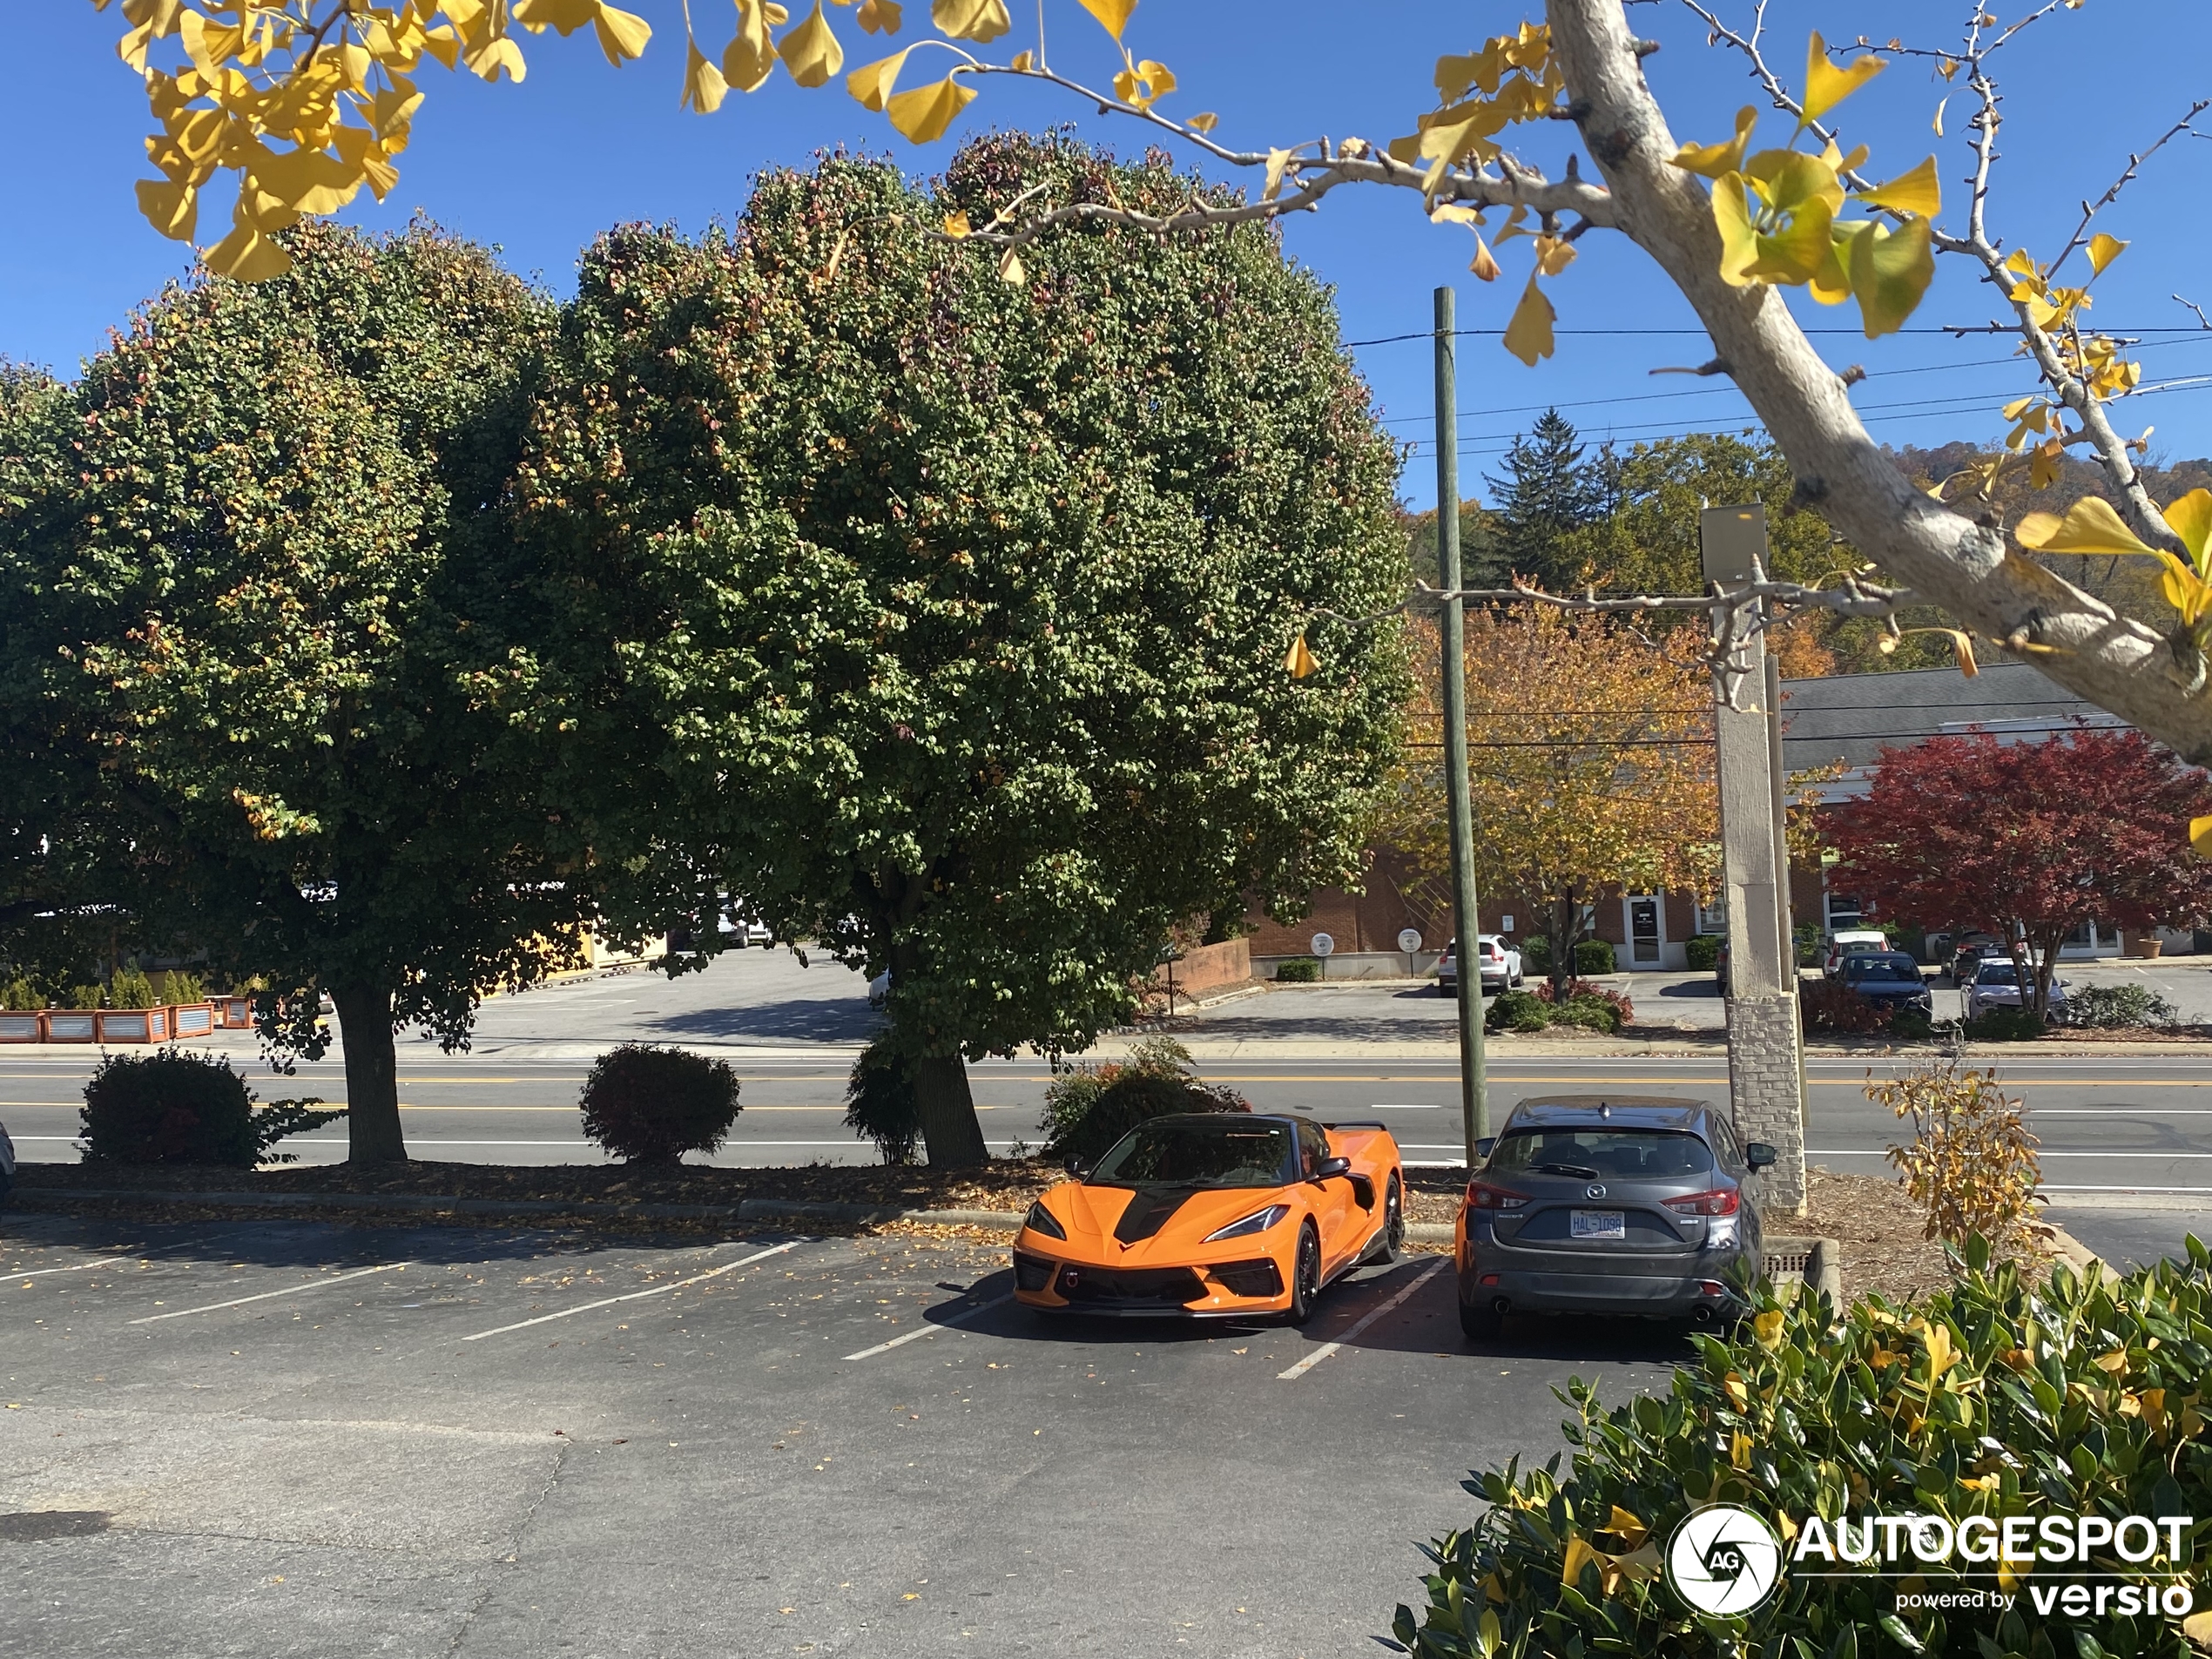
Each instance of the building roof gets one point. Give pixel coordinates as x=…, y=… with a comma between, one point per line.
x=1852, y=717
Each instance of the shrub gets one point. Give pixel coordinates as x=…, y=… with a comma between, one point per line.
x=880, y=1102
x=1703, y=952
x=1592, y=1013
x=2109, y=1006
x=2004, y=1025
x=130, y=988
x=85, y=997
x=1997, y=1397
x=1536, y=957
x=1298, y=970
x=1831, y=1005
x=1594, y=956
x=1086, y=1109
x=1517, y=1011
x=172, y=1107
x=177, y=987
x=647, y=1104
x=19, y=996
x=1912, y=1025
x=1582, y=990
x=1971, y=1164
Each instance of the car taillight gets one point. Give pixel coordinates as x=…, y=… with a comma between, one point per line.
x=1482, y=1197
x=1720, y=1202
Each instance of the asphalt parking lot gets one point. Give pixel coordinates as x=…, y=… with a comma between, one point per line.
x=318, y=1439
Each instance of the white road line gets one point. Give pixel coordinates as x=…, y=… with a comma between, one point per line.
x=2042, y=1152
x=1401, y=1106
x=1328, y=1348
x=43, y=1272
x=241, y=1301
x=935, y=1325
x=658, y=1290
x=2048, y=1187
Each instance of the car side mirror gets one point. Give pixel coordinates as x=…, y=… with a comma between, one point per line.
x=1078, y=1167
x=1329, y=1168
x=1758, y=1154
x=1482, y=1146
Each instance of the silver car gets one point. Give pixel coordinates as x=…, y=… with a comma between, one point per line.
x=1609, y=1204
x=1996, y=985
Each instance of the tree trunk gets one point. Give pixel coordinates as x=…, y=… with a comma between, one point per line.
x=1562, y=964
x=949, y=1128
x=372, y=1075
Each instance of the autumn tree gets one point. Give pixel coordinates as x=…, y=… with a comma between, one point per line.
x=257, y=636
x=1590, y=761
x=2029, y=840
x=956, y=608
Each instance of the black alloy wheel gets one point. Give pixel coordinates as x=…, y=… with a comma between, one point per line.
x=1394, y=1228
x=1305, y=1278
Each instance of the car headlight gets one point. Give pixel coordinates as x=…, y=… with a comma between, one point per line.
x=1041, y=1220
x=1258, y=1222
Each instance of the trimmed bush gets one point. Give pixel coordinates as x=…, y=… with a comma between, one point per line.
x=880, y=1102
x=2111, y=1007
x=1703, y=952
x=647, y=1104
x=1912, y=1025
x=1998, y=1397
x=1831, y=1005
x=1088, y=1108
x=1536, y=957
x=1594, y=956
x=1298, y=970
x=2004, y=1025
x=129, y=989
x=1621, y=1010
x=1517, y=1011
x=172, y=1107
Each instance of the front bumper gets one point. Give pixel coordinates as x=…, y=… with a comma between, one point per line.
x=1235, y=1289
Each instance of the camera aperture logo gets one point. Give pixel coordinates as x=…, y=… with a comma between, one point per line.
x=1724, y=1559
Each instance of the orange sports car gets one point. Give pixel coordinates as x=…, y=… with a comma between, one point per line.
x=1215, y=1215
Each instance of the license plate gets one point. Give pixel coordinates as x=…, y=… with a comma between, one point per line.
x=1601, y=1223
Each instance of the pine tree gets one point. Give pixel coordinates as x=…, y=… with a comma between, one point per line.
x=1549, y=492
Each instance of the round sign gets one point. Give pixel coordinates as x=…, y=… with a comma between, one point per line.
x=1323, y=944
x=1724, y=1559
x=1409, y=940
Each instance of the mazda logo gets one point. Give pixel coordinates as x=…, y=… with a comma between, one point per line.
x=1594, y=1192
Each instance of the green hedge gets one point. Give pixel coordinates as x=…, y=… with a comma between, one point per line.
x=647, y=1104
x=1594, y=956
x=1298, y=970
x=175, y=1107
x=2000, y=1397
x=1703, y=952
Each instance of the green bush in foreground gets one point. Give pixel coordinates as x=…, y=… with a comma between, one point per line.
x=2120, y=1006
x=879, y=1101
x=1999, y=1397
x=1702, y=952
x=2004, y=1025
x=172, y=1107
x=647, y=1104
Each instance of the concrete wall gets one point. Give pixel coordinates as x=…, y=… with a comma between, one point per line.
x=1206, y=968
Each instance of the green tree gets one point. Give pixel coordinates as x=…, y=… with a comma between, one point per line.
x=961, y=605
x=248, y=569
x=1547, y=494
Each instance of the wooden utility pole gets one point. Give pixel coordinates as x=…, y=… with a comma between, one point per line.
x=1474, y=1084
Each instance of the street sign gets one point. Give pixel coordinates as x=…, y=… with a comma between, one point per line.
x=1323, y=945
x=1409, y=940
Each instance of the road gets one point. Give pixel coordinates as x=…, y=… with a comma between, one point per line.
x=2126, y=1141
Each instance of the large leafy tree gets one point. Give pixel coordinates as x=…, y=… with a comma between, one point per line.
x=959, y=606
x=258, y=632
x=2029, y=840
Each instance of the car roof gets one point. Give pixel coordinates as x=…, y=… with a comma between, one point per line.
x=1619, y=1112
x=1877, y=955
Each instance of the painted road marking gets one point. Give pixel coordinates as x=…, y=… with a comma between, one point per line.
x=241, y=1301
x=933, y=1325
x=2042, y=1152
x=1401, y=1106
x=29, y=1273
x=658, y=1290
x=1328, y=1348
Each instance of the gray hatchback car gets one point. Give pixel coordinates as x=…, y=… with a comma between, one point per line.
x=1609, y=1204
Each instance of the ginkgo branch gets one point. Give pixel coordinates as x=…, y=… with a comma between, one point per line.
x=2090, y=210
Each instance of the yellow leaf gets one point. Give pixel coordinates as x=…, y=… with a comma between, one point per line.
x=1739, y=1449
x=1963, y=645
x=750, y=58
x=372, y=159
x=1739, y=241
x=1941, y=1355
x=170, y=207
x=872, y=82
x=1738, y=1393
x=2190, y=517
x=1142, y=85
x=495, y=54
x=879, y=17
x=956, y=225
x=1277, y=161
x=2111, y=1363
x=1889, y=270
x=1204, y=121
x=1626, y=1527
x=623, y=34
x=1713, y=160
x=306, y=181
x=2201, y=837
x=2090, y=526
x=1830, y=284
x=1579, y=1556
x=703, y=86
x=1529, y=336
x=1300, y=663
x=1768, y=1328
x=1012, y=272
x=1484, y=265
x=246, y=255
x=1917, y=193
x=1938, y=122
x=1826, y=86
x=2103, y=250
x=976, y=20
x=1113, y=14
x=923, y=114
x=810, y=51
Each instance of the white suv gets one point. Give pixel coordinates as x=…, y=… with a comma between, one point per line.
x=1500, y=963
x=1851, y=942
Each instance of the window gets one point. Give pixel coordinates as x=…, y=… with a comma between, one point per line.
x=1843, y=911
x=1312, y=1146
x=1230, y=1149
x=1590, y=1153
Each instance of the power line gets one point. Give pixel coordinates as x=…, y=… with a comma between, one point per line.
x=1430, y=333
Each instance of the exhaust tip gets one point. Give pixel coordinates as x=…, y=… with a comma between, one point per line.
x=1500, y=1305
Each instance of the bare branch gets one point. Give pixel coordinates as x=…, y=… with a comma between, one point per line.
x=2090, y=210
x=2202, y=321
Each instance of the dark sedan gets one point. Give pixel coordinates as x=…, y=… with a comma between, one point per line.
x=1889, y=978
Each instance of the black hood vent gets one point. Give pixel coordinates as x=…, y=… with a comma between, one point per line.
x=1149, y=1212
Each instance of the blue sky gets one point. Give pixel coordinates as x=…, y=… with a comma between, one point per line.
x=537, y=169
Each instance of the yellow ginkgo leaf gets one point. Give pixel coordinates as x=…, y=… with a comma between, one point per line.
x=1623, y=1525
x=1917, y=193
x=494, y=55
x=1485, y=264
x=956, y=225
x=1579, y=1556
x=1712, y=160
x=246, y=255
x=1140, y=86
x=879, y=17
x=1826, y=86
x=1739, y=241
x=2200, y=843
x=2190, y=517
x=1204, y=121
x=171, y=207
x=1277, y=161
x=2103, y=250
x=2090, y=526
x=703, y=86
x=810, y=51
x=1889, y=270
x=1938, y=122
x=623, y=34
x=923, y=114
x=976, y=20
x=1300, y=663
x=1529, y=336
x=1767, y=1328
x=872, y=82
x=1113, y=14
x=1012, y=272
x=306, y=181
x=750, y=58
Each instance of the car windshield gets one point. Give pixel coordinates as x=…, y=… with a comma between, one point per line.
x=1996, y=973
x=1588, y=1154
x=1882, y=968
x=1228, y=1151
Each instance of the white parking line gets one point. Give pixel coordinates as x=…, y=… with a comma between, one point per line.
x=1328, y=1348
x=241, y=1301
x=29, y=1273
x=935, y=1325
x=1402, y=1106
x=2042, y=1152
x=658, y=1290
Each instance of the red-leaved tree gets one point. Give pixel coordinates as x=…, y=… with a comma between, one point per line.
x=2029, y=840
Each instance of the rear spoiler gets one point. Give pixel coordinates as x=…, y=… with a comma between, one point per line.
x=1362, y=1123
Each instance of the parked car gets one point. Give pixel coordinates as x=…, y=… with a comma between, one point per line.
x=1996, y=985
x=1720, y=967
x=1609, y=1204
x=739, y=930
x=1501, y=965
x=1214, y=1215
x=1967, y=954
x=1891, y=978
x=1848, y=942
